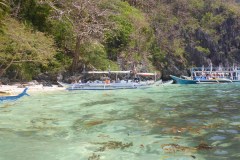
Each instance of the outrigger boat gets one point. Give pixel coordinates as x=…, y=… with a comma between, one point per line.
x=99, y=85
x=183, y=80
x=210, y=75
x=110, y=85
x=13, y=98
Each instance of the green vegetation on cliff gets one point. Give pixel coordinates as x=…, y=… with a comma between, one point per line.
x=193, y=32
x=23, y=52
x=55, y=35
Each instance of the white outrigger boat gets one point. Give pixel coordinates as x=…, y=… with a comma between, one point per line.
x=210, y=75
x=110, y=85
x=104, y=85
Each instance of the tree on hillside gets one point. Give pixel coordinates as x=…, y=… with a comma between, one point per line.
x=3, y=4
x=87, y=20
x=23, y=50
x=32, y=12
x=3, y=8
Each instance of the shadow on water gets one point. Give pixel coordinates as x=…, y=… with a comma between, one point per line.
x=94, y=103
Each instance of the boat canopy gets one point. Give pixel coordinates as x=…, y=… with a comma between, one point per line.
x=123, y=72
x=120, y=72
x=106, y=72
x=146, y=74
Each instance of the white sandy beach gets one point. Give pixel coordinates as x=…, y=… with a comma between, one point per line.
x=16, y=89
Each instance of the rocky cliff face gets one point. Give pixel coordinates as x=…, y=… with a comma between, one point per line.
x=197, y=34
x=225, y=50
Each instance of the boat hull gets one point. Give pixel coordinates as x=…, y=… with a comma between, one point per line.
x=99, y=85
x=13, y=98
x=103, y=86
x=99, y=88
x=179, y=80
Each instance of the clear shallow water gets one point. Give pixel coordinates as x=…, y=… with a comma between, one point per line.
x=166, y=122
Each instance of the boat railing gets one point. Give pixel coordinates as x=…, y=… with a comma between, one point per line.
x=232, y=73
x=200, y=77
x=193, y=69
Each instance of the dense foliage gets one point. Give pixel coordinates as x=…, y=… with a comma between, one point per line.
x=193, y=32
x=4, y=6
x=55, y=36
x=23, y=52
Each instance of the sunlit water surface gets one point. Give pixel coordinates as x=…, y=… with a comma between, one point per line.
x=161, y=123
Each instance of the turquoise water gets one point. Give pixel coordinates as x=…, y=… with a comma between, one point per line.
x=161, y=123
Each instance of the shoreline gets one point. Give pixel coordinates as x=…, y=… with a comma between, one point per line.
x=16, y=89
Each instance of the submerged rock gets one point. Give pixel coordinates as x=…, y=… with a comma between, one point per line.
x=172, y=148
x=113, y=145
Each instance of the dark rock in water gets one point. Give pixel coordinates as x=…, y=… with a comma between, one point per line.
x=113, y=145
x=204, y=146
x=194, y=157
x=90, y=104
x=172, y=148
x=93, y=123
x=146, y=100
x=94, y=157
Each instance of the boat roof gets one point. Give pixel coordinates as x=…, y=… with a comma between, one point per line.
x=120, y=72
x=106, y=72
x=146, y=74
x=227, y=69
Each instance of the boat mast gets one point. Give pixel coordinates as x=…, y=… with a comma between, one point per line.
x=237, y=71
x=191, y=71
x=155, y=76
x=234, y=71
x=211, y=68
x=202, y=70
